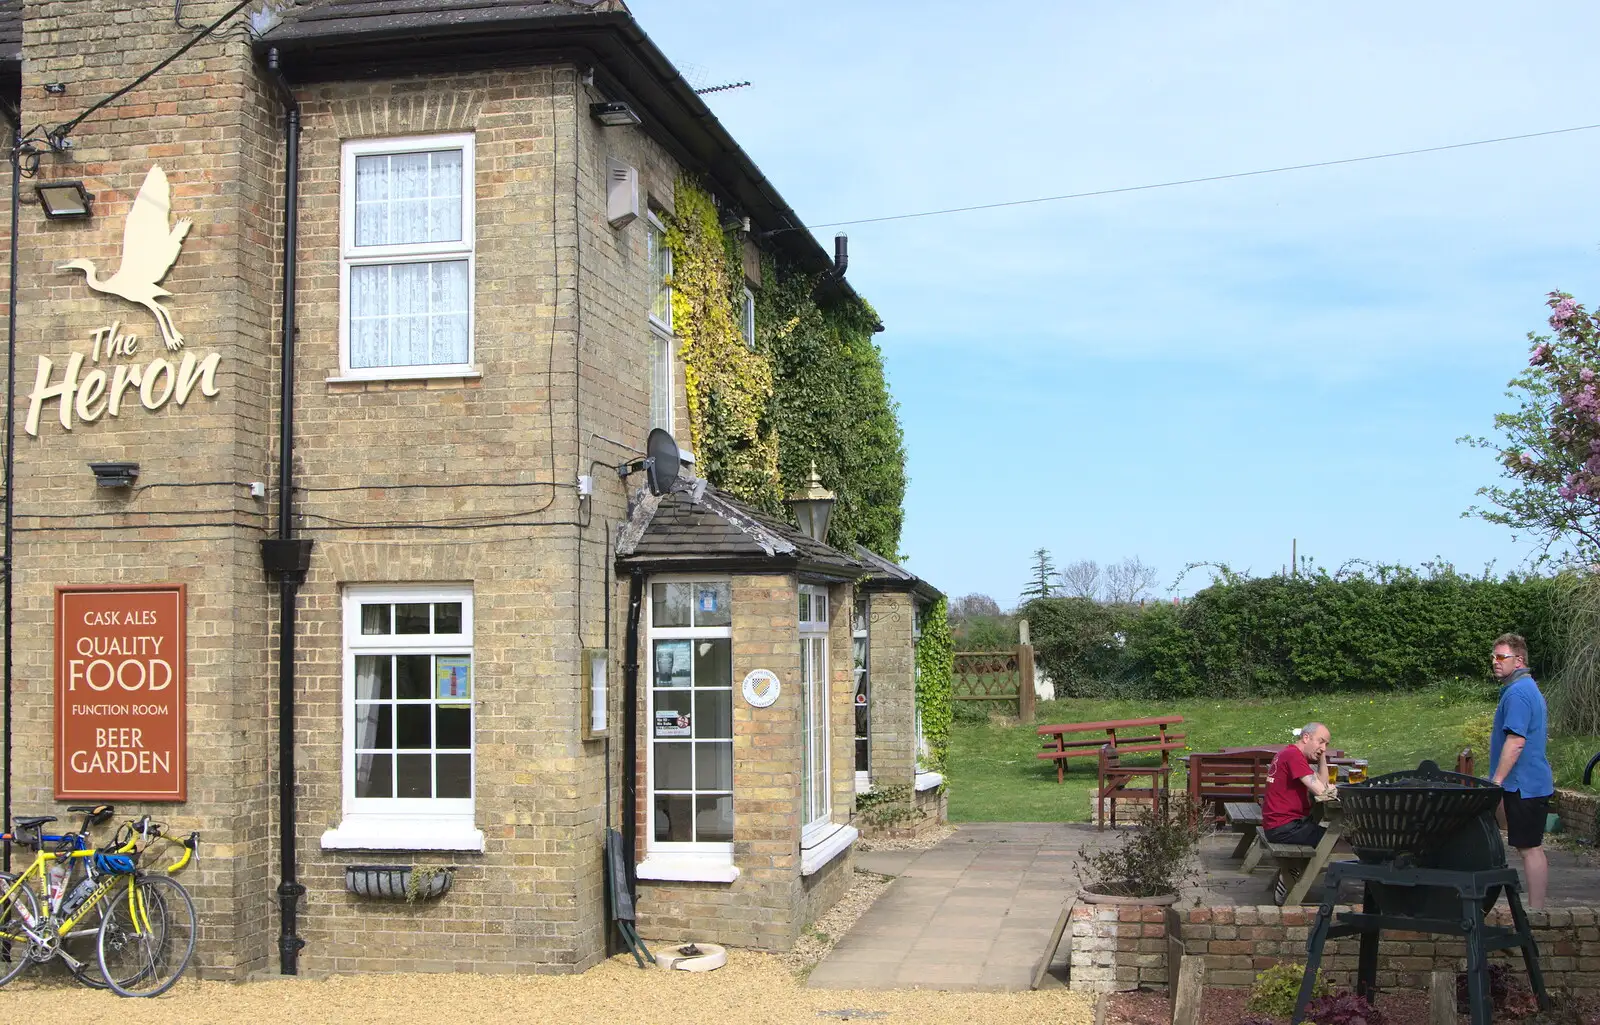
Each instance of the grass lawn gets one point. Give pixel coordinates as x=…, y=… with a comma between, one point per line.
x=994, y=776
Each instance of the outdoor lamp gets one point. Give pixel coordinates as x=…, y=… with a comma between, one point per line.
x=115, y=475
x=65, y=200
x=813, y=507
x=615, y=114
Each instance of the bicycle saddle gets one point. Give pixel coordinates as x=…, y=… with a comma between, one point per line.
x=33, y=820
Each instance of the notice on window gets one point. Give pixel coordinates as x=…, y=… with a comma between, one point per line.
x=670, y=723
x=706, y=599
x=673, y=663
x=453, y=677
x=120, y=693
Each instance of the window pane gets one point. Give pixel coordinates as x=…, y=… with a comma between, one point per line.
x=713, y=714
x=674, y=818
x=414, y=676
x=805, y=606
x=375, y=619
x=819, y=608
x=414, y=776
x=672, y=663
x=447, y=617
x=674, y=767
x=713, y=663
x=858, y=619
x=373, y=677
x=413, y=726
x=711, y=604
x=374, y=776
x=660, y=270
x=713, y=765
x=374, y=726
x=409, y=314
x=714, y=819
x=408, y=198
x=861, y=755
x=453, y=727
x=455, y=776
x=412, y=618
x=669, y=604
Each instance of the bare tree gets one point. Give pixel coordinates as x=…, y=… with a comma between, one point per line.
x=1081, y=579
x=971, y=605
x=1128, y=581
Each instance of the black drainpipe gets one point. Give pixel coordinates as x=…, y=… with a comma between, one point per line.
x=11, y=459
x=630, y=734
x=286, y=556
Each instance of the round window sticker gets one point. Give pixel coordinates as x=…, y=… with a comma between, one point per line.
x=761, y=687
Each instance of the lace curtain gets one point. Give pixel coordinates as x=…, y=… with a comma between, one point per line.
x=411, y=313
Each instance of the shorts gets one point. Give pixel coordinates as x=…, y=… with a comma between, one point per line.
x=1525, y=817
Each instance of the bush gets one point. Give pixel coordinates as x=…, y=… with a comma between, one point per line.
x=1277, y=988
x=1390, y=629
x=1151, y=859
x=971, y=713
x=1344, y=1009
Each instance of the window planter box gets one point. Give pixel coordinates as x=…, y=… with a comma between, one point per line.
x=393, y=882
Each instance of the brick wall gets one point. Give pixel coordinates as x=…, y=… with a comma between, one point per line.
x=893, y=746
x=1120, y=947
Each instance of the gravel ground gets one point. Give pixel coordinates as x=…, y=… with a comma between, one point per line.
x=752, y=989
x=905, y=843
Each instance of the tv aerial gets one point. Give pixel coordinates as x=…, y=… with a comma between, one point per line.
x=660, y=463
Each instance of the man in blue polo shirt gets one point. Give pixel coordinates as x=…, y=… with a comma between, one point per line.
x=1517, y=753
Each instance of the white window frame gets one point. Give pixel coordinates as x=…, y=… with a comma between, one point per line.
x=403, y=823
x=862, y=632
x=351, y=255
x=702, y=861
x=815, y=728
x=663, y=343
x=747, y=318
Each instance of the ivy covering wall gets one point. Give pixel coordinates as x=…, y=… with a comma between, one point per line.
x=812, y=388
x=935, y=682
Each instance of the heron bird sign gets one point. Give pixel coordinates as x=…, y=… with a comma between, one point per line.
x=150, y=246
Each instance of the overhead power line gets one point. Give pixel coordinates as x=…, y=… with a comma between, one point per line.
x=1197, y=181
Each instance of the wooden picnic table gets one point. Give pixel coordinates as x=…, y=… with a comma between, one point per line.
x=1313, y=860
x=1058, y=748
x=1336, y=759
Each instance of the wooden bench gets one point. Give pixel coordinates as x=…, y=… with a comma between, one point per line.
x=1244, y=818
x=1114, y=779
x=1304, y=864
x=1058, y=748
x=1219, y=777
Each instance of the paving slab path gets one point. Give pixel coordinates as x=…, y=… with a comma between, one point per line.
x=975, y=912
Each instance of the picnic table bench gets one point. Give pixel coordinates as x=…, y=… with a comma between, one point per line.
x=1244, y=818
x=1058, y=748
x=1301, y=863
x=1218, y=777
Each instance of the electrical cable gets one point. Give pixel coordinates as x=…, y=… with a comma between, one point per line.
x=1189, y=181
x=308, y=489
x=64, y=129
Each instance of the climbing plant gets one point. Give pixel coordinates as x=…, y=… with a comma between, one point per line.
x=729, y=385
x=811, y=391
x=935, y=671
x=831, y=405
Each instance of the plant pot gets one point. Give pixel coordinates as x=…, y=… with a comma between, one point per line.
x=393, y=882
x=1088, y=896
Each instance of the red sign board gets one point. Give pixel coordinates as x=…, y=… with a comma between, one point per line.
x=120, y=693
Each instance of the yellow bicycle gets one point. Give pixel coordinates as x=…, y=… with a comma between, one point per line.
x=143, y=923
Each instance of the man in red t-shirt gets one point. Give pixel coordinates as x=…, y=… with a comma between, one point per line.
x=1298, y=774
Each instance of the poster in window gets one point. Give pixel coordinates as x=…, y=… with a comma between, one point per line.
x=669, y=723
x=706, y=599
x=453, y=677
x=673, y=660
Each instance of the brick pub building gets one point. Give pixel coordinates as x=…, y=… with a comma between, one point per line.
x=400, y=616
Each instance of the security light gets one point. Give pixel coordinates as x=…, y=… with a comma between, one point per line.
x=115, y=475
x=65, y=200
x=615, y=114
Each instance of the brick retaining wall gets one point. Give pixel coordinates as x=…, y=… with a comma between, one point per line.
x=1117, y=948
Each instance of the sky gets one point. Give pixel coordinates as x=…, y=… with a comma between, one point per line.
x=1210, y=373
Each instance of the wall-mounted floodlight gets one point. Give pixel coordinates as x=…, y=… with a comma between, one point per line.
x=65, y=200
x=615, y=114
x=115, y=475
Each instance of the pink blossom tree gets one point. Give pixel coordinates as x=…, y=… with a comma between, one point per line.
x=1549, y=447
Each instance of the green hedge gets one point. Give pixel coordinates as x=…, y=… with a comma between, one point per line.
x=1393, y=630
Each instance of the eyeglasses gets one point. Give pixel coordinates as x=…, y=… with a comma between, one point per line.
x=1501, y=658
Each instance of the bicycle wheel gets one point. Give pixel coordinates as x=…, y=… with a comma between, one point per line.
x=83, y=946
x=147, y=936
x=15, y=946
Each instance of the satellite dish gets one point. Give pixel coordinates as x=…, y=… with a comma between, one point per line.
x=661, y=463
